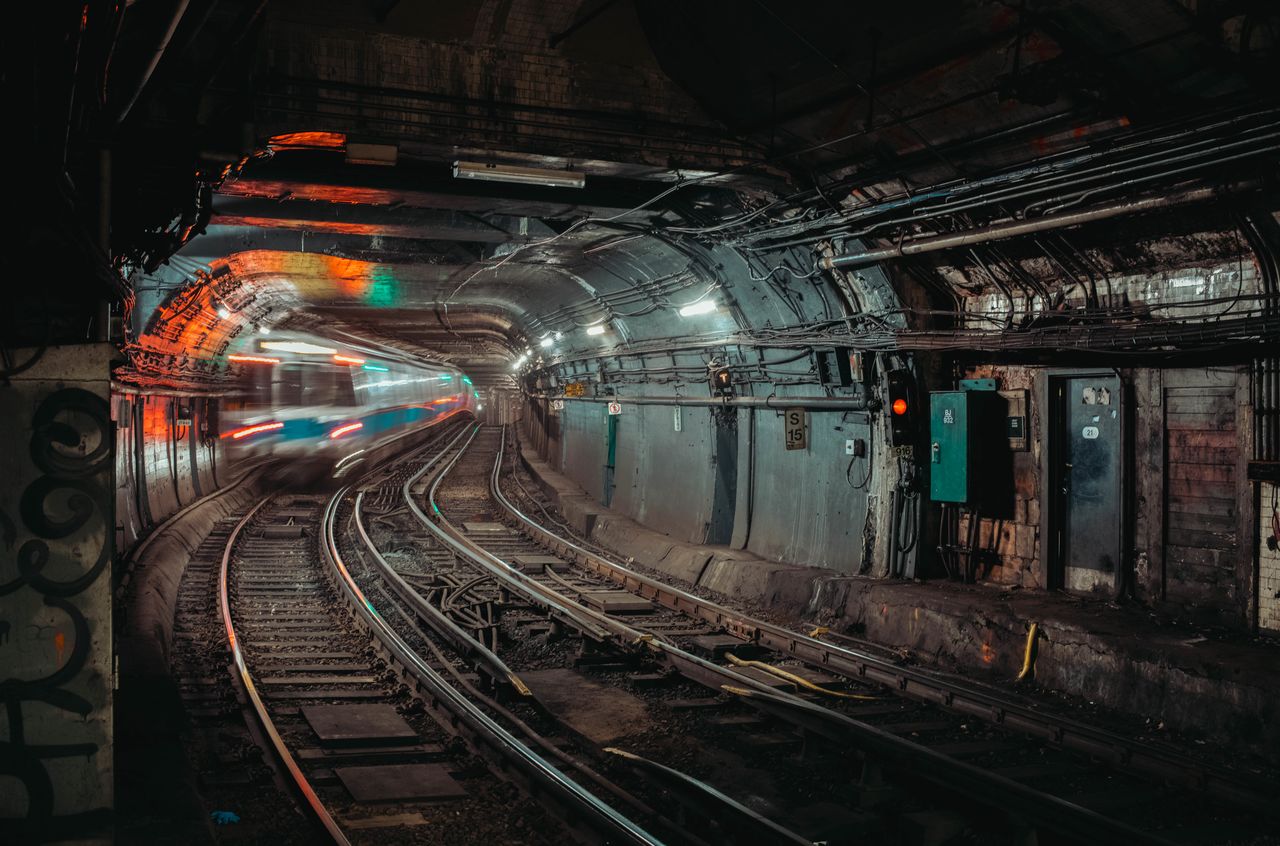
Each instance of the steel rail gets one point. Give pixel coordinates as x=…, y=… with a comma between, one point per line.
x=1053, y=812
x=615, y=827
x=463, y=643
x=244, y=680
x=1063, y=732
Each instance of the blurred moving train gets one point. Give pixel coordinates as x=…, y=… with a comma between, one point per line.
x=323, y=409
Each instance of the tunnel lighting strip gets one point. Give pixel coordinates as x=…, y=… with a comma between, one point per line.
x=299, y=347
x=702, y=307
x=595, y=330
x=253, y=359
x=347, y=429
x=487, y=172
x=253, y=430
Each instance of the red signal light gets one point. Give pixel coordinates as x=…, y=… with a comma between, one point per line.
x=899, y=406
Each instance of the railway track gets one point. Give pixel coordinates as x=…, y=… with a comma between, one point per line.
x=546, y=693
x=915, y=735
x=362, y=733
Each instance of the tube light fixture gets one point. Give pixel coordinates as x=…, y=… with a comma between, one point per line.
x=598, y=329
x=299, y=347
x=700, y=307
x=489, y=172
x=546, y=342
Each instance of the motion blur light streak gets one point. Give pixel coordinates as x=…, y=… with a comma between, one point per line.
x=253, y=430
x=253, y=359
x=347, y=359
x=299, y=347
x=347, y=429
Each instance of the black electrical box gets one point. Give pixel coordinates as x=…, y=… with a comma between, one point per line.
x=900, y=406
x=834, y=367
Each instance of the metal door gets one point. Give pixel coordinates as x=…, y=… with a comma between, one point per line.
x=611, y=457
x=725, y=459
x=1087, y=450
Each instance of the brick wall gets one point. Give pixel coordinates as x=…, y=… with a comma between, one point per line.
x=502, y=89
x=1268, y=561
x=1011, y=544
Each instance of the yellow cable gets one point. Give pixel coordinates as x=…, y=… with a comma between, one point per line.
x=819, y=631
x=794, y=679
x=520, y=686
x=1026, y=658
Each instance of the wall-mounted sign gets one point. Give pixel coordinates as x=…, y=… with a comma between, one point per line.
x=615, y=408
x=557, y=405
x=675, y=418
x=575, y=389
x=795, y=428
x=1089, y=433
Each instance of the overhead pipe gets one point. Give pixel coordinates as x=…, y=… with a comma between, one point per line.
x=179, y=10
x=1015, y=228
x=827, y=403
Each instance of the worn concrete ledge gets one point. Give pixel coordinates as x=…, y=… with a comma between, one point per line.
x=146, y=637
x=1117, y=657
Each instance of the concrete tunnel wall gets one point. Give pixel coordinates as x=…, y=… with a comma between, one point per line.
x=792, y=506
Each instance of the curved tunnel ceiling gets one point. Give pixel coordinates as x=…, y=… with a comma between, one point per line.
x=812, y=122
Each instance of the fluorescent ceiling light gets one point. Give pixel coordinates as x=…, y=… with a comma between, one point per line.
x=297, y=347
x=596, y=330
x=519, y=175
x=546, y=342
x=701, y=307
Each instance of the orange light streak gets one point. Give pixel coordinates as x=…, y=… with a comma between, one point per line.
x=343, y=430
x=253, y=430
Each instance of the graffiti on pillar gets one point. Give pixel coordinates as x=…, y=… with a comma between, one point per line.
x=65, y=514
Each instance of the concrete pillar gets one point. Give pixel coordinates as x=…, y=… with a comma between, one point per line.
x=57, y=526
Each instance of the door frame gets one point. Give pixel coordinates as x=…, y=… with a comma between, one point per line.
x=1049, y=420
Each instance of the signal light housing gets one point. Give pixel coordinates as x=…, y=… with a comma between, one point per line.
x=722, y=381
x=901, y=396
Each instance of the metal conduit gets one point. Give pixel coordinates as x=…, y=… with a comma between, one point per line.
x=828, y=403
x=1014, y=228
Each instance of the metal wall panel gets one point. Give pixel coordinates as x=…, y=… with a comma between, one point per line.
x=663, y=477
x=805, y=509
x=583, y=452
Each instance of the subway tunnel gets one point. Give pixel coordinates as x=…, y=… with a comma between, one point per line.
x=619, y=422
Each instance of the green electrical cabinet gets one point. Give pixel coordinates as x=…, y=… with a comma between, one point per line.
x=951, y=414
